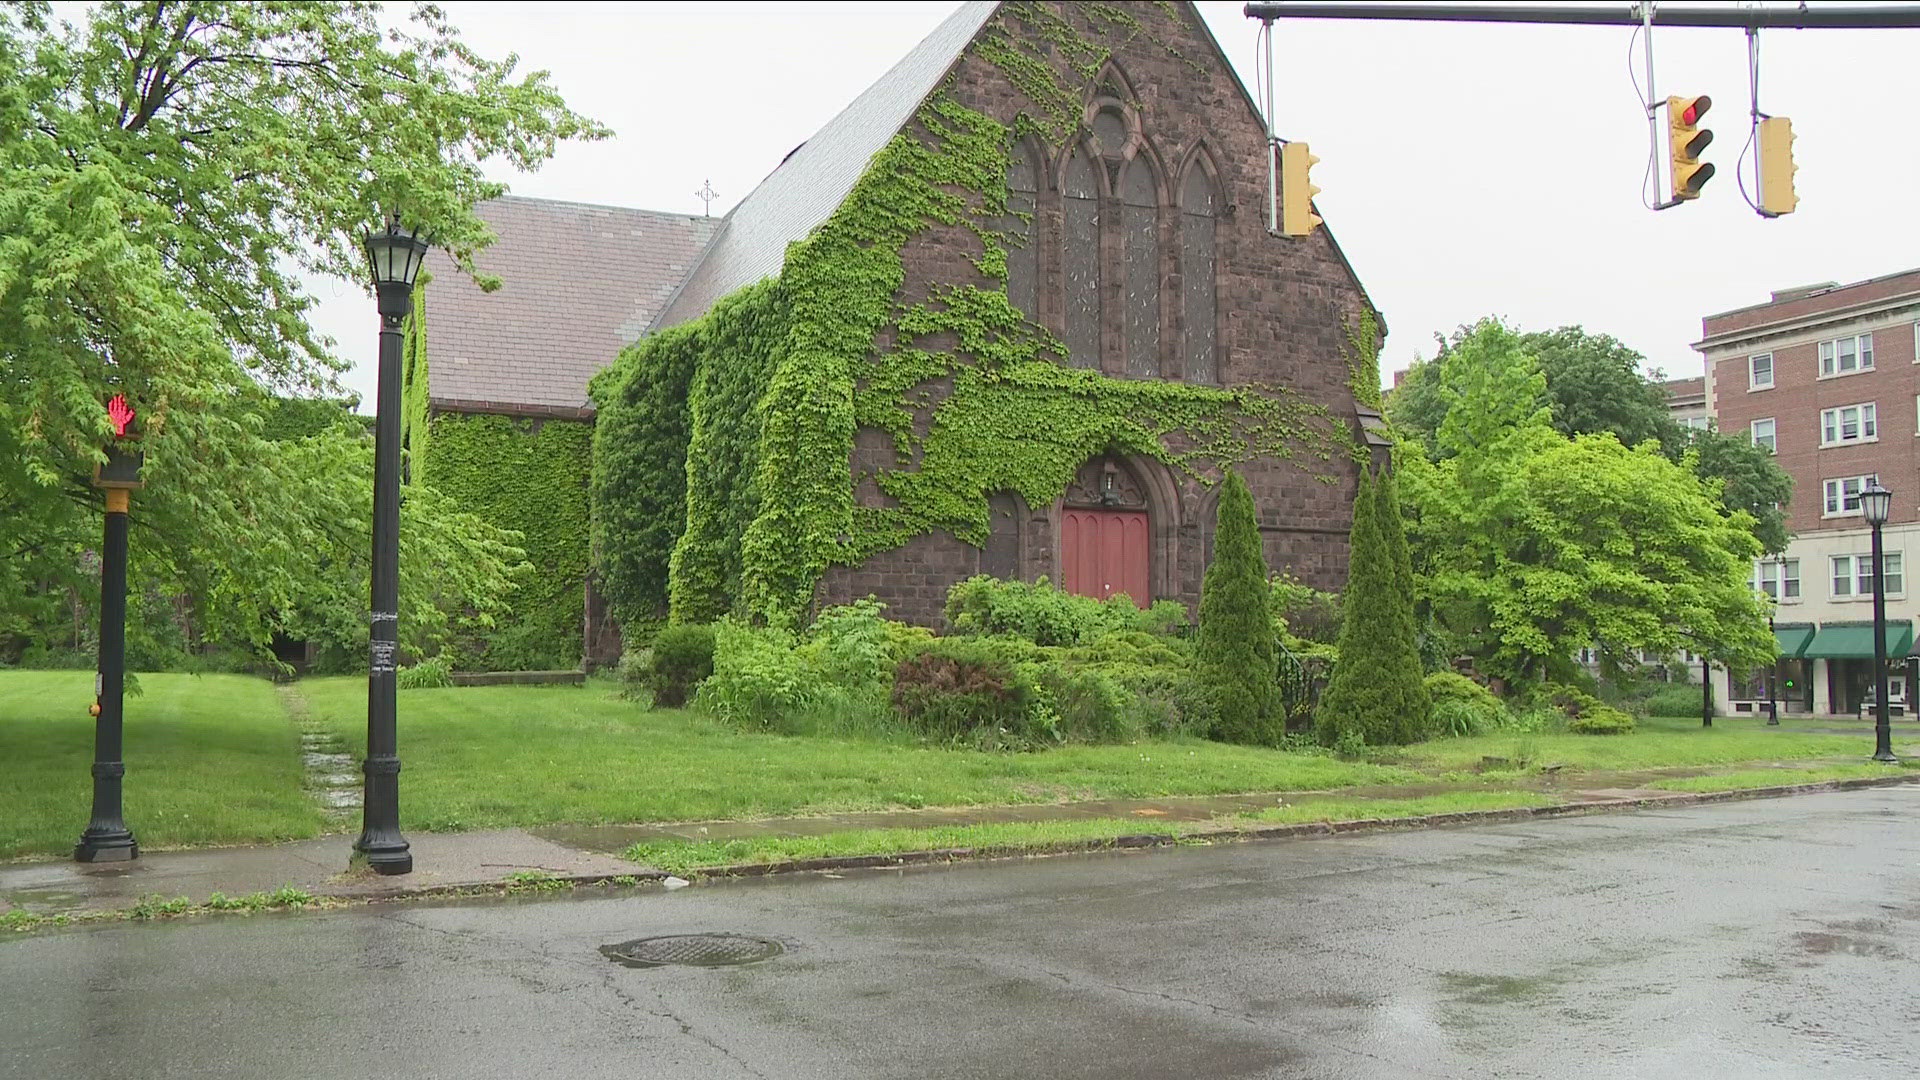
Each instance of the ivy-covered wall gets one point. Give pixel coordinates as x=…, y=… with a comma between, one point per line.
x=531, y=476
x=965, y=394
x=528, y=475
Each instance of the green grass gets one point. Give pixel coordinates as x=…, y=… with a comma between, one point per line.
x=1757, y=778
x=694, y=856
x=211, y=759
x=1655, y=744
x=491, y=757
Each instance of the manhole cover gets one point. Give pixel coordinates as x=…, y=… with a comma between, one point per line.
x=696, y=950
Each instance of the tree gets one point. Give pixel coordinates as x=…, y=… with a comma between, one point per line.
x=1376, y=691
x=167, y=173
x=1237, y=641
x=1595, y=384
x=1533, y=545
x=1747, y=478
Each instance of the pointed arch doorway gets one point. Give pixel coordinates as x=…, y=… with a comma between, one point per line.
x=1106, y=540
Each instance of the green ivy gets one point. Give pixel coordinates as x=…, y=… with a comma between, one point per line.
x=529, y=476
x=414, y=429
x=739, y=427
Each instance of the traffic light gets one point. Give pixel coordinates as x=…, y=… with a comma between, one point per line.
x=1297, y=191
x=1776, y=167
x=1688, y=139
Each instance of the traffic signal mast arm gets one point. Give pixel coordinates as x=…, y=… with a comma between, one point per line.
x=1803, y=17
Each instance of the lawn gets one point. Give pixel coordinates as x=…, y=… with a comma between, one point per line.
x=1011, y=837
x=1656, y=743
x=527, y=755
x=211, y=759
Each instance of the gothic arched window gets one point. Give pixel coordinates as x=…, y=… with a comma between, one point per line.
x=1023, y=258
x=1080, y=266
x=1140, y=225
x=1199, y=358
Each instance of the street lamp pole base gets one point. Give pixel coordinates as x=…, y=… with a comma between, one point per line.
x=1886, y=757
x=106, y=845
x=384, y=856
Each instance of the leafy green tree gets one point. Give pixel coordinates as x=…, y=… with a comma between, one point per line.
x=168, y=171
x=1237, y=640
x=1595, y=384
x=1533, y=545
x=1376, y=690
x=1748, y=478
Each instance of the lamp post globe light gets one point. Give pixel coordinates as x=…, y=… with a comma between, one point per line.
x=1876, y=503
x=394, y=257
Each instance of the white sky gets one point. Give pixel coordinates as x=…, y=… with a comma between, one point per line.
x=1467, y=169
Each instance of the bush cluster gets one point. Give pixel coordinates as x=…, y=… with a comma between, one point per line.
x=1046, y=615
x=682, y=658
x=1672, y=701
x=1585, y=714
x=1464, y=707
x=434, y=672
x=1238, y=644
x=1376, y=691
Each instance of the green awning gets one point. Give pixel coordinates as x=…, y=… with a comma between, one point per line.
x=1847, y=641
x=1793, y=639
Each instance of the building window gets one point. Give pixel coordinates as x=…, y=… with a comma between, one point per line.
x=1778, y=578
x=1023, y=270
x=1760, y=371
x=1199, y=361
x=1843, y=494
x=1853, y=575
x=1848, y=424
x=1140, y=224
x=1696, y=423
x=1844, y=356
x=1763, y=434
x=1081, y=262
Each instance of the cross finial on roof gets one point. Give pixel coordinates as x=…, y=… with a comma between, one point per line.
x=706, y=195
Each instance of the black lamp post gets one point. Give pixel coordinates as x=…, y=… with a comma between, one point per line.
x=1773, y=672
x=107, y=838
x=395, y=257
x=1876, y=503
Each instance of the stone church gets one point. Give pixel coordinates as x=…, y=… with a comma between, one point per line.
x=1044, y=233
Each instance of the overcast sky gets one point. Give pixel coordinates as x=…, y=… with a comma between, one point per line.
x=1466, y=169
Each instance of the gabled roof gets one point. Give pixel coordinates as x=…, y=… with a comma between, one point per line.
x=579, y=283
x=811, y=183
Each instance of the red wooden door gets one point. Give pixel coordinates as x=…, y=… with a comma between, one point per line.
x=1103, y=552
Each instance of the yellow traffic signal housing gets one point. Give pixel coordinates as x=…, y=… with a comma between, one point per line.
x=1776, y=167
x=1297, y=191
x=1688, y=139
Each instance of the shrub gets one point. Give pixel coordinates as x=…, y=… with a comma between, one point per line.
x=758, y=678
x=854, y=648
x=1045, y=615
x=682, y=658
x=1376, y=689
x=1673, y=701
x=1453, y=686
x=961, y=692
x=437, y=671
x=1457, y=717
x=636, y=673
x=1303, y=615
x=1585, y=714
x=1606, y=720
x=1237, y=643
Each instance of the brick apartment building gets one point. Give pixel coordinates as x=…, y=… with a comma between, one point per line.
x=1828, y=377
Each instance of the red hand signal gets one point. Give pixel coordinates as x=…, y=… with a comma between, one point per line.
x=121, y=414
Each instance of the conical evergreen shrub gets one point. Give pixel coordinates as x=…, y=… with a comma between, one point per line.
x=1237, y=642
x=1376, y=691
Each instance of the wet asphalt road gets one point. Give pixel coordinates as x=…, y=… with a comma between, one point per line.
x=1778, y=938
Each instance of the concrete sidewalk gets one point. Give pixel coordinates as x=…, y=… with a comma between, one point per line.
x=442, y=862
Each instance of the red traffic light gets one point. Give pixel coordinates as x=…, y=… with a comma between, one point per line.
x=1695, y=109
x=121, y=414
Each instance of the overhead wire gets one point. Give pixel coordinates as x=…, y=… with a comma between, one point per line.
x=1653, y=150
x=1754, y=117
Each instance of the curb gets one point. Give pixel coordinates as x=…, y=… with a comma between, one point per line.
x=1300, y=831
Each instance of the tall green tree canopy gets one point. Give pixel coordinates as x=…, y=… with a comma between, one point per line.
x=168, y=171
x=1531, y=544
x=1592, y=384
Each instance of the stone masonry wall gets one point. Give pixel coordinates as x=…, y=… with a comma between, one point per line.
x=1283, y=305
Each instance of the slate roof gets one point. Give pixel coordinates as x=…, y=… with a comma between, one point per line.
x=580, y=282
x=811, y=183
